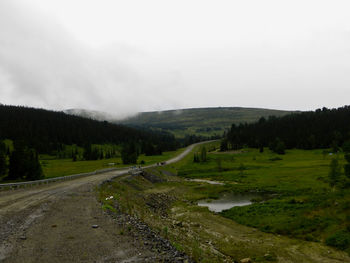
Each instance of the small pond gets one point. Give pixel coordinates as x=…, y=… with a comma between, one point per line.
x=228, y=200
x=205, y=181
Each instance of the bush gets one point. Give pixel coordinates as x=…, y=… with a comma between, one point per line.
x=340, y=240
x=277, y=146
x=275, y=159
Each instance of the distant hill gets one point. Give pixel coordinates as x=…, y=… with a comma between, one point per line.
x=92, y=114
x=199, y=121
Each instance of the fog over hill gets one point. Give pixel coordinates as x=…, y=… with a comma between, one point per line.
x=94, y=114
x=181, y=122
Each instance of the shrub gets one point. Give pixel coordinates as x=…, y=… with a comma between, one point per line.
x=340, y=240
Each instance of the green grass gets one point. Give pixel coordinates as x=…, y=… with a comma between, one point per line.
x=53, y=167
x=304, y=206
x=301, y=207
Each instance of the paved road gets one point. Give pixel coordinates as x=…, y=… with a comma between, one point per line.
x=52, y=223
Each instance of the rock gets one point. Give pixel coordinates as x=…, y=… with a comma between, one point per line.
x=23, y=237
x=246, y=260
x=179, y=224
x=94, y=226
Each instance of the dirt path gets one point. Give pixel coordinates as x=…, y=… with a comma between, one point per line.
x=53, y=223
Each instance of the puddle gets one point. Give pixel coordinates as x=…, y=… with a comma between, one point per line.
x=227, y=201
x=205, y=181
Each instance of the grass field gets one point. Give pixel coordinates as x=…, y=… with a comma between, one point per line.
x=53, y=167
x=303, y=204
x=301, y=215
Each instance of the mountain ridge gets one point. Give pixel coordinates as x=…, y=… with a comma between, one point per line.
x=206, y=121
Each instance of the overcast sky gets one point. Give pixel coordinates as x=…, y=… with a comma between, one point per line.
x=128, y=56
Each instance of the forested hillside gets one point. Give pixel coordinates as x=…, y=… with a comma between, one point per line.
x=46, y=130
x=322, y=128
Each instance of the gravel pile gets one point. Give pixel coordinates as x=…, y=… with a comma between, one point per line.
x=141, y=232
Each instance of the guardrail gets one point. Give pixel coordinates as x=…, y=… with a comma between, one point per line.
x=73, y=176
x=55, y=179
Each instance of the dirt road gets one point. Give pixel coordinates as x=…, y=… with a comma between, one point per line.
x=54, y=223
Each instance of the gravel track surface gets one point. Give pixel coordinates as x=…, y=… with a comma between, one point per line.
x=53, y=223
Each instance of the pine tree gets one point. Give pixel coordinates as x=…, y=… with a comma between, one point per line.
x=195, y=158
x=334, y=172
x=3, y=165
x=24, y=164
x=223, y=145
x=203, y=154
x=129, y=153
x=346, y=149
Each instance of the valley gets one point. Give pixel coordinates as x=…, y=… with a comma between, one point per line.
x=289, y=223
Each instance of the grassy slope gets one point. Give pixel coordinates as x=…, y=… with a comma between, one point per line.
x=299, y=180
x=305, y=206
x=200, y=121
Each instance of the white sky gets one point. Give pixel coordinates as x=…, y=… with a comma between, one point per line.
x=128, y=56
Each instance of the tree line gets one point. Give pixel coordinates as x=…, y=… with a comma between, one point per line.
x=46, y=131
x=20, y=163
x=35, y=131
x=323, y=128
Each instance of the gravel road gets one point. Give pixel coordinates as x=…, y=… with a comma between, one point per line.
x=53, y=223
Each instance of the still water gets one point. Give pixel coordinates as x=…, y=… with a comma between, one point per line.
x=227, y=201
x=205, y=181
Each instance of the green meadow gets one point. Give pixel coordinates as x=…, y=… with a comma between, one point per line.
x=62, y=164
x=54, y=167
x=299, y=213
x=299, y=199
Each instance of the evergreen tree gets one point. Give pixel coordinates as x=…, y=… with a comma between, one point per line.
x=323, y=128
x=261, y=149
x=277, y=146
x=129, y=153
x=3, y=165
x=87, y=152
x=34, y=169
x=195, y=158
x=346, y=149
x=90, y=153
x=203, y=154
x=48, y=131
x=24, y=163
x=334, y=172
x=223, y=145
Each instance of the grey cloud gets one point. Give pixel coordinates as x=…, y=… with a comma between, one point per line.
x=42, y=65
x=295, y=64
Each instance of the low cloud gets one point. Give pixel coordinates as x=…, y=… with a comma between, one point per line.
x=256, y=57
x=42, y=65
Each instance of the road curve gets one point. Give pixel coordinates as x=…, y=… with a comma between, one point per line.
x=23, y=198
x=24, y=212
